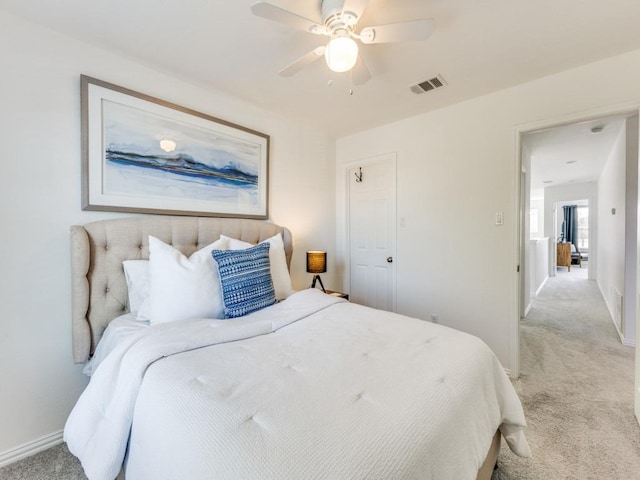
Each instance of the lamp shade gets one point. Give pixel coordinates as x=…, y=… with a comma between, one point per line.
x=316, y=261
x=341, y=54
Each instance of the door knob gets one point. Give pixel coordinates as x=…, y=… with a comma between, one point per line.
x=389, y=259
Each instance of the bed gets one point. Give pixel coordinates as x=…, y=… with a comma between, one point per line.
x=310, y=387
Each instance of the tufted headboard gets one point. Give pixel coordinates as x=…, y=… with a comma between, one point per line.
x=99, y=289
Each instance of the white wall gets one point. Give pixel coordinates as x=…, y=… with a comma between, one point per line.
x=532, y=258
x=40, y=199
x=525, y=229
x=539, y=270
x=631, y=231
x=611, y=195
x=538, y=204
x=457, y=167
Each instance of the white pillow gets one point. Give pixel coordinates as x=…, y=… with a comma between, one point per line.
x=144, y=314
x=183, y=288
x=136, y=273
x=278, y=259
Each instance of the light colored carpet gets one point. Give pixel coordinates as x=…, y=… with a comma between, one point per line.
x=576, y=387
x=56, y=463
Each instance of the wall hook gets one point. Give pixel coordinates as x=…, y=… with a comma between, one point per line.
x=358, y=175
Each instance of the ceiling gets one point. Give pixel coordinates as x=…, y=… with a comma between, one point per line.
x=570, y=153
x=478, y=47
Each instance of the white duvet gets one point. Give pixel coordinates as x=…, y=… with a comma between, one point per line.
x=313, y=387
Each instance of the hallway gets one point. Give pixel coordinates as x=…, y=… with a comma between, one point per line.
x=576, y=386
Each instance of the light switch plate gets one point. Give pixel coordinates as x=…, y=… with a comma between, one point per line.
x=499, y=218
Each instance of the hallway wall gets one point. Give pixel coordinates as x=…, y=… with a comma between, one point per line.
x=611, y=234
x=631, y=231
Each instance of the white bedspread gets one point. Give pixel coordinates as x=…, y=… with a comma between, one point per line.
x=125, y=328
x=313, y=387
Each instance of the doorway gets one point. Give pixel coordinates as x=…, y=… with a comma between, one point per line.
x=572, y=220
x=611, y=197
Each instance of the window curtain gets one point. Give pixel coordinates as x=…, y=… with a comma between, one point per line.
x=570, y=224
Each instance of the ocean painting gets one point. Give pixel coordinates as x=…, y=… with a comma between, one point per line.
x=147, y=154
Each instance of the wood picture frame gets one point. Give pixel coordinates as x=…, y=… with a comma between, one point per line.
x=142, y=154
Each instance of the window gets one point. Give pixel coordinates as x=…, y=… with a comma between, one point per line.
x=533, y=221
x=583, y=227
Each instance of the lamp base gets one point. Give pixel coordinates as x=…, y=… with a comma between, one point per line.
x=313, y=283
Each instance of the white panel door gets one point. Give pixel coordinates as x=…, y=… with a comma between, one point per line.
x=372, y=233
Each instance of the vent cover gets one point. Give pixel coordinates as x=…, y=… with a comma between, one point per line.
x=427, y=85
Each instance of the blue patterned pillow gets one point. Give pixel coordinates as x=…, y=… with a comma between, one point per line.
x=245, y=276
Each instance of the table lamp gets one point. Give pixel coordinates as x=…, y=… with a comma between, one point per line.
x=316, y=263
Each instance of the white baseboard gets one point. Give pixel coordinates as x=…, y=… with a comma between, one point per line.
x=611, y=311
x=624, y=341
x=542, y=285
x=30, y=448
x=527, y=310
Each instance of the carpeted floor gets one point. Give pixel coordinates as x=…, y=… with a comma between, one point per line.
x=576, y=387
x=55, y=463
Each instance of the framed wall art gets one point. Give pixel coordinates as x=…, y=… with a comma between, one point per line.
x=142, y=154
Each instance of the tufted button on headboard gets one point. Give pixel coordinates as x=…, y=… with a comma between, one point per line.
x=99, y=289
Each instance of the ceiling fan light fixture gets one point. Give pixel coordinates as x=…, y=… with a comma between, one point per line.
x=341, y=54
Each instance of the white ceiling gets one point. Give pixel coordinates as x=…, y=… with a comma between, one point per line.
x=478, y=47
x=570, y=153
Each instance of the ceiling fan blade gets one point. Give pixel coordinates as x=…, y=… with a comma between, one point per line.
x=399, y=32
x=280, y=15
x=360, y=73
x=302, y=62
x=355, y=6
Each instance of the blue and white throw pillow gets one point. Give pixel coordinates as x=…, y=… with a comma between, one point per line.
x=245, y=277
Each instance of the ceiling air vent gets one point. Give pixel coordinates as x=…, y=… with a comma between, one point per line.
x=431, y=84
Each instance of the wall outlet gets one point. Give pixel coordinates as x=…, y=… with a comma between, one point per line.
x=434, y=317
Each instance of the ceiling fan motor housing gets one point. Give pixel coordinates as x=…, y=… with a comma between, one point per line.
x=339, y=22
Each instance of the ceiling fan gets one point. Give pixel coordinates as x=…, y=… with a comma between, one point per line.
x=339, y=22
